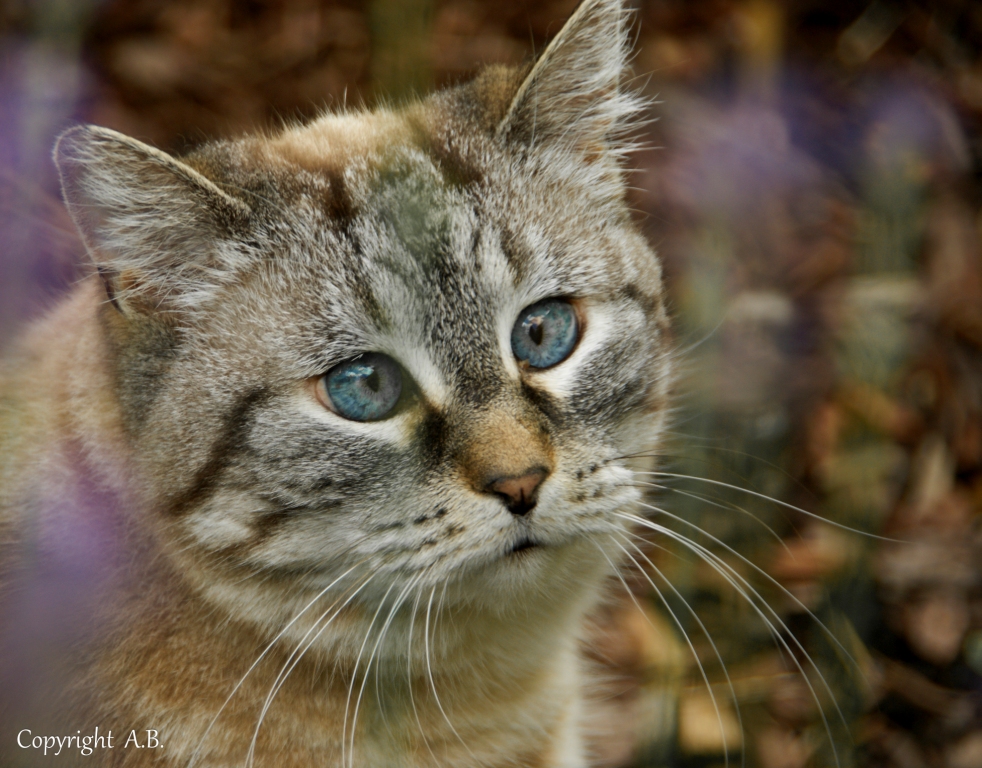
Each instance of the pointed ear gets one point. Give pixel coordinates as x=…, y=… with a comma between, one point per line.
x=572, y=97
x=158, y=231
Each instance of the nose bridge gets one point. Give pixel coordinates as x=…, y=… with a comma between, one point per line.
x=503, y=440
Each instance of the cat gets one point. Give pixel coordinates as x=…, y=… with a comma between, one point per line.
x=337, y=438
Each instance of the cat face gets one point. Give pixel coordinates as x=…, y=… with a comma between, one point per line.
x=419, y=345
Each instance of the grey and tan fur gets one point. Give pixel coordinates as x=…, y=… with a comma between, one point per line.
x=254, y=530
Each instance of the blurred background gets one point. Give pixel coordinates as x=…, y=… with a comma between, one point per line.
x=812, y=179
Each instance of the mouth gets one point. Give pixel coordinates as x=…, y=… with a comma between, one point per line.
x=523, y=545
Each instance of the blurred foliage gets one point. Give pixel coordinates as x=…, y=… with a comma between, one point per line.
x=813, y=183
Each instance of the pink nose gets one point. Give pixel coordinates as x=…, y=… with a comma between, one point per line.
x=518, y=492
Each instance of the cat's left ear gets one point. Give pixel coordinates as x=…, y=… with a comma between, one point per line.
x=573, y=96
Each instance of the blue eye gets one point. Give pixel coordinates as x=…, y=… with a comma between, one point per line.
x=366, y=388
x=545, y=333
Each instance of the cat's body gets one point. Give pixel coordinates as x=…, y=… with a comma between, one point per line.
x=423, y=576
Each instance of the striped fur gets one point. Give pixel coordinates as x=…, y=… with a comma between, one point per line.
x=178, y=381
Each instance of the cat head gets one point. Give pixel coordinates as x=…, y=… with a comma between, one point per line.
x=413, y=346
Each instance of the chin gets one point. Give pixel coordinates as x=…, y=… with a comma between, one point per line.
x=534, y=578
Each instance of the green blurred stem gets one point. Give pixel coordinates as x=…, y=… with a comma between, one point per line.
x=402, y=36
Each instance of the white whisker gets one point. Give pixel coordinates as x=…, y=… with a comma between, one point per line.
x=294, y=659
x=774, y=582
x=771, y=499
x=375, y=648
x=692, y=648
x=712, y=502
x=429, y=670
x=702, y=627
x=745, y=590
x=354, y=674
x=409, y=672
x=269, y=647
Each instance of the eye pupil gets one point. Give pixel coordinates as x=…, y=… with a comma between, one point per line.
x=372, y=382
x=545, y=333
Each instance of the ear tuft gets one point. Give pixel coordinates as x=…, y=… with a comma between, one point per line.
x=157, y=230
x=573, y=97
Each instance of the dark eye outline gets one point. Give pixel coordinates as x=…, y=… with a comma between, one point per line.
x=579, y=326
x=406, y=389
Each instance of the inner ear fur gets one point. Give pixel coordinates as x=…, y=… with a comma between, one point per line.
x=572, y=96
x=159, y=232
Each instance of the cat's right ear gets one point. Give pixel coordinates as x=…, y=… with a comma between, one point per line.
x=161, y=234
